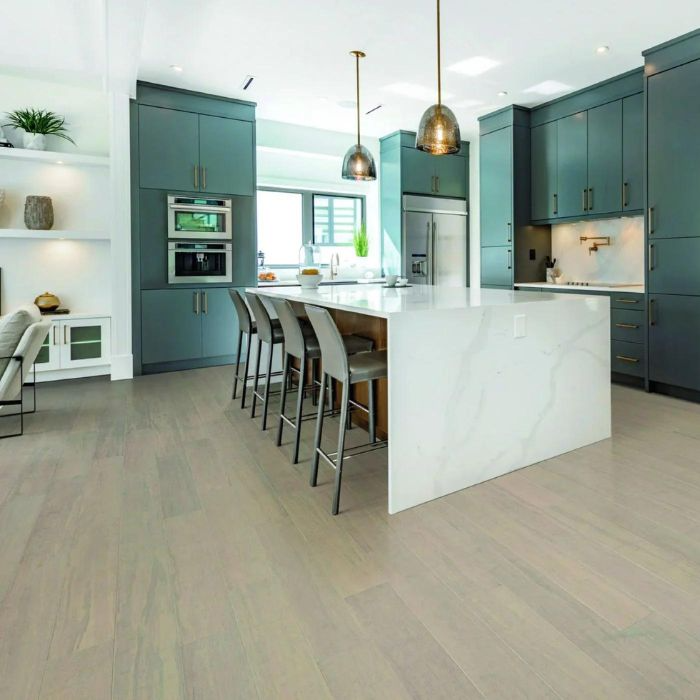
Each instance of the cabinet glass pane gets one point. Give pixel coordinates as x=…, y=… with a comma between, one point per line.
x=43, y=356
x=85, y=342
x=85, y=351
x=84, y=334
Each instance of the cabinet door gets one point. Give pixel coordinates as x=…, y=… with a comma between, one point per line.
x=497, y=266
x=84, y=342
x=605, y=158
x=226, y=153
x=633, y=152
x=674, y=340
x=673, y=137
x=496, y=190
x=219, y=323
x=168, y=149
x=543, y=166
x=674, y=266
x=171, y=325
x=572, y=164
x=451, y=173
x=49, y=356
x=417, y=171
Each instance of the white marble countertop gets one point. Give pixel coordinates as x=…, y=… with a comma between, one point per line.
x=374, y=300
x=628, y=288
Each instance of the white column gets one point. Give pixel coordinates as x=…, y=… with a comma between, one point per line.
x=120, y=229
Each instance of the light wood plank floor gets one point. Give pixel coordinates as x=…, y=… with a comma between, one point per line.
x=155, y=544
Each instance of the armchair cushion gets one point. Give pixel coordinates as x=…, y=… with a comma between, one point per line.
x=12, y=328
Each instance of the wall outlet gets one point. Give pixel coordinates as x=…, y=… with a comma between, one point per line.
x=519, y=326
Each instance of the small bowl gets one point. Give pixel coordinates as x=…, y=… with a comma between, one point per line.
x=309, y=281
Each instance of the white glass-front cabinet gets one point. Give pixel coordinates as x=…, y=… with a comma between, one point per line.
x=76, y=344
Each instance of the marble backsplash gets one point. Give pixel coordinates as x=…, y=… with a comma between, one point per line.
x=622, y=262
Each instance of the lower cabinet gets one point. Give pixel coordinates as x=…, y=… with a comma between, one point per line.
x=674, y=265
x=75, y=347
x=187, y=324
x=497, y=266
x=674, y=340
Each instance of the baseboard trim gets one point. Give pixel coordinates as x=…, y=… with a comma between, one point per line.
x=677, y=392
x=76, y=373
x=122, y=367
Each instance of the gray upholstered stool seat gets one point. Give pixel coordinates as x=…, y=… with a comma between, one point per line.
x=367, y=366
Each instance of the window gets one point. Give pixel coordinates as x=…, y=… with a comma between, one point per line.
x=336, y=219
x=280, y=226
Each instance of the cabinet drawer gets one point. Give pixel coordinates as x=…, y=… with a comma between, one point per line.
x=622, y=300
x=627, y=358
x=627, y=324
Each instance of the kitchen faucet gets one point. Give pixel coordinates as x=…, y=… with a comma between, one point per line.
x=335, y=265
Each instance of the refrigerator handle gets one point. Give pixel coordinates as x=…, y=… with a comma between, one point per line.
x=428, y=250
x=433, y=254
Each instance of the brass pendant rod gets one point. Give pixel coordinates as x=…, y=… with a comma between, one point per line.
x=357, y=92
x=439, y=68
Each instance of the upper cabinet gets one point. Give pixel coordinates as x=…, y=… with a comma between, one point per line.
x=423, y=173
x=605, y=159
x=544, y=171
x=496, y=187
x=185, y=151
x=633, y=152
x=572, y=165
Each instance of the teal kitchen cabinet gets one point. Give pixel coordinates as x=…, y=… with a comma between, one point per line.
x=496, y=187
x=226, y=154
x=168, y=148
x=674, y=340
x=544, y=172
x=171, y=326
x=497, y=266
x=219, y=323
x=572, y=165
x=423, y=173
x=674, y=265
x=605, y=158
x=451, y=174
x=673, y=156
x=633, y=153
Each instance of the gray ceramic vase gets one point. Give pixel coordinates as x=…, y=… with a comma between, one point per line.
x=38, y=213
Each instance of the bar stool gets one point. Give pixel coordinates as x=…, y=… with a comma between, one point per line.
x=270, y=333
x=348, y=370
x=247, y=327
x=300, y=343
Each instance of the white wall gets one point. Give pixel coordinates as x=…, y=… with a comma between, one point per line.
x=623, y=261
x=298, y=157
x=474, y=215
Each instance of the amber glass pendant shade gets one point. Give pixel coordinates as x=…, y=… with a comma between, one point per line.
x=358, y=163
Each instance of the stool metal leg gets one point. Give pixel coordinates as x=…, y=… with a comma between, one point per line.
x=319, y=430
x=283, y=398
x=255, y=379
x=300, y=404
x=345, y=400
x=248, y=343
x=268, y=379
x=371, y=408
x=238, y=365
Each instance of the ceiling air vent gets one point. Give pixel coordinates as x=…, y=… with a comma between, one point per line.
x=247, y=82
x=374, y=109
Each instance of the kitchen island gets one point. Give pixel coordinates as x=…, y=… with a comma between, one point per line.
x=480, y=382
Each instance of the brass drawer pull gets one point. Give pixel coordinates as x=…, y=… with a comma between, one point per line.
x=626, y=325
x=624, y=358
x=628, y=301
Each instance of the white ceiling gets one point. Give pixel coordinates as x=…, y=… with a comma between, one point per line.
x=298, y=51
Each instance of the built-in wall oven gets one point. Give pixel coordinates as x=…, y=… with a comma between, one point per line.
x=199, y=218
x=192, y=262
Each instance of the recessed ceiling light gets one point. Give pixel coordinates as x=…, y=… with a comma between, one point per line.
x=374, y=109
x=502, y=93
x=418, y=92
x=59, y=162
x=474, y=66
x=602, y=49
x=549, y=87
x=176, y=68
x=347, y=104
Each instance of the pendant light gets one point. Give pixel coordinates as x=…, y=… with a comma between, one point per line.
x=438, y=132
x=358, y=163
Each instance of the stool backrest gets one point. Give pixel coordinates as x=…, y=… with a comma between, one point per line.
x=244, y=321
x=262, y=318
x=333, y=354
x=291, y=328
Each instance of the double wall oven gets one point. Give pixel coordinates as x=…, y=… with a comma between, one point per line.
x=200, y=233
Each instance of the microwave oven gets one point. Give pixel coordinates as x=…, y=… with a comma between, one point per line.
x=199, y=218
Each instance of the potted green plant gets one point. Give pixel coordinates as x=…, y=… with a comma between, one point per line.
x=360, y=241
x=37, y=124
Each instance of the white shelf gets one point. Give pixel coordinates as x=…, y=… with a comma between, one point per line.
x=54, y=235
x=54, y=157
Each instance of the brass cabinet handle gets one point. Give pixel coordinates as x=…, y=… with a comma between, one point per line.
x=627, y=301
x=196, y=176
x=556, y=204
x=624, y=358
x=195, y=302
x=651, y=257
x=590, y=199
x=205, y=304
x=65, y=334
x=625, y=194
x=437, y=183
x=626, y=325
x=651, y=221
x=510, y=232
x=510, y=259
x=584, y=199
x=204, y=178
x=652, y=320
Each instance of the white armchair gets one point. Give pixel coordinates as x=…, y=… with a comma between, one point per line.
x=16, y=364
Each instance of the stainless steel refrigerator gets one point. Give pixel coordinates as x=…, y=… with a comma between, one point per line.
x=435, y=249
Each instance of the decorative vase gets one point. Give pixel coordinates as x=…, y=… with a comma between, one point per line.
x=34, y=142
x=47, y=302
x=38, y=213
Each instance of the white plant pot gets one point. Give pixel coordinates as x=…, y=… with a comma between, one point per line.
x=34, y=142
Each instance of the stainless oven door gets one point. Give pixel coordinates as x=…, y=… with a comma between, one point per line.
x=204, y=219
x=191, y=262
